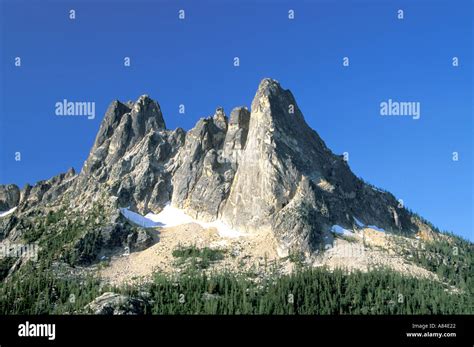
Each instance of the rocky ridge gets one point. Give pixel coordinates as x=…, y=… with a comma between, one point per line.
x=259, y=169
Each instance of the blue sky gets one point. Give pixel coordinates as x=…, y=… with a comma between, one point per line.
x=190, y=62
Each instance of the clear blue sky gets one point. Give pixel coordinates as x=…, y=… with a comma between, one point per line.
x=191, y=62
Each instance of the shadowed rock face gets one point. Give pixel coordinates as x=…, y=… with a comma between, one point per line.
x=9, y=197
x=131, y=157
x=264, y=168
x=288, y=180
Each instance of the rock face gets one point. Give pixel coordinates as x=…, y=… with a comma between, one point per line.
x=132, y=156
x=268, y=169
x=9, y=196
x=115, y=304
x=202, y=179
x=299, y=187
x=46, y=191
x=263, y=168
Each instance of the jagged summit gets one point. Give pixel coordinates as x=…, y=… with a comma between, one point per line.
x=268, y=86
x=258, y=169
x=122, y=127
x=147, y=114
x=220, y=119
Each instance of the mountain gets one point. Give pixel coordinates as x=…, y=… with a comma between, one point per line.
x=256, y=195
x=263, y=169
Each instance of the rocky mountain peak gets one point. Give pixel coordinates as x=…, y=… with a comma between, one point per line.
x=146, y=110
x=146, y=116
x=259, y=169
x=268, y=86
x=123, y=126
x=277, y=105
x=220, y=119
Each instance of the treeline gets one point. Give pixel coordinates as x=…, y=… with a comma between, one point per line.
x=37, y=289
x=450, y=257
x=40, y=288
x=308, y=291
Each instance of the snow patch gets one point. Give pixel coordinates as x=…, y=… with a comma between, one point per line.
x=138, y=219
x=172, y=216
x=341, y=231
x=359, y=223
x=6, y=213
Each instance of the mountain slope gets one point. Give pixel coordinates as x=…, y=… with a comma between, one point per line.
x=295, y=219
x=263, y=169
